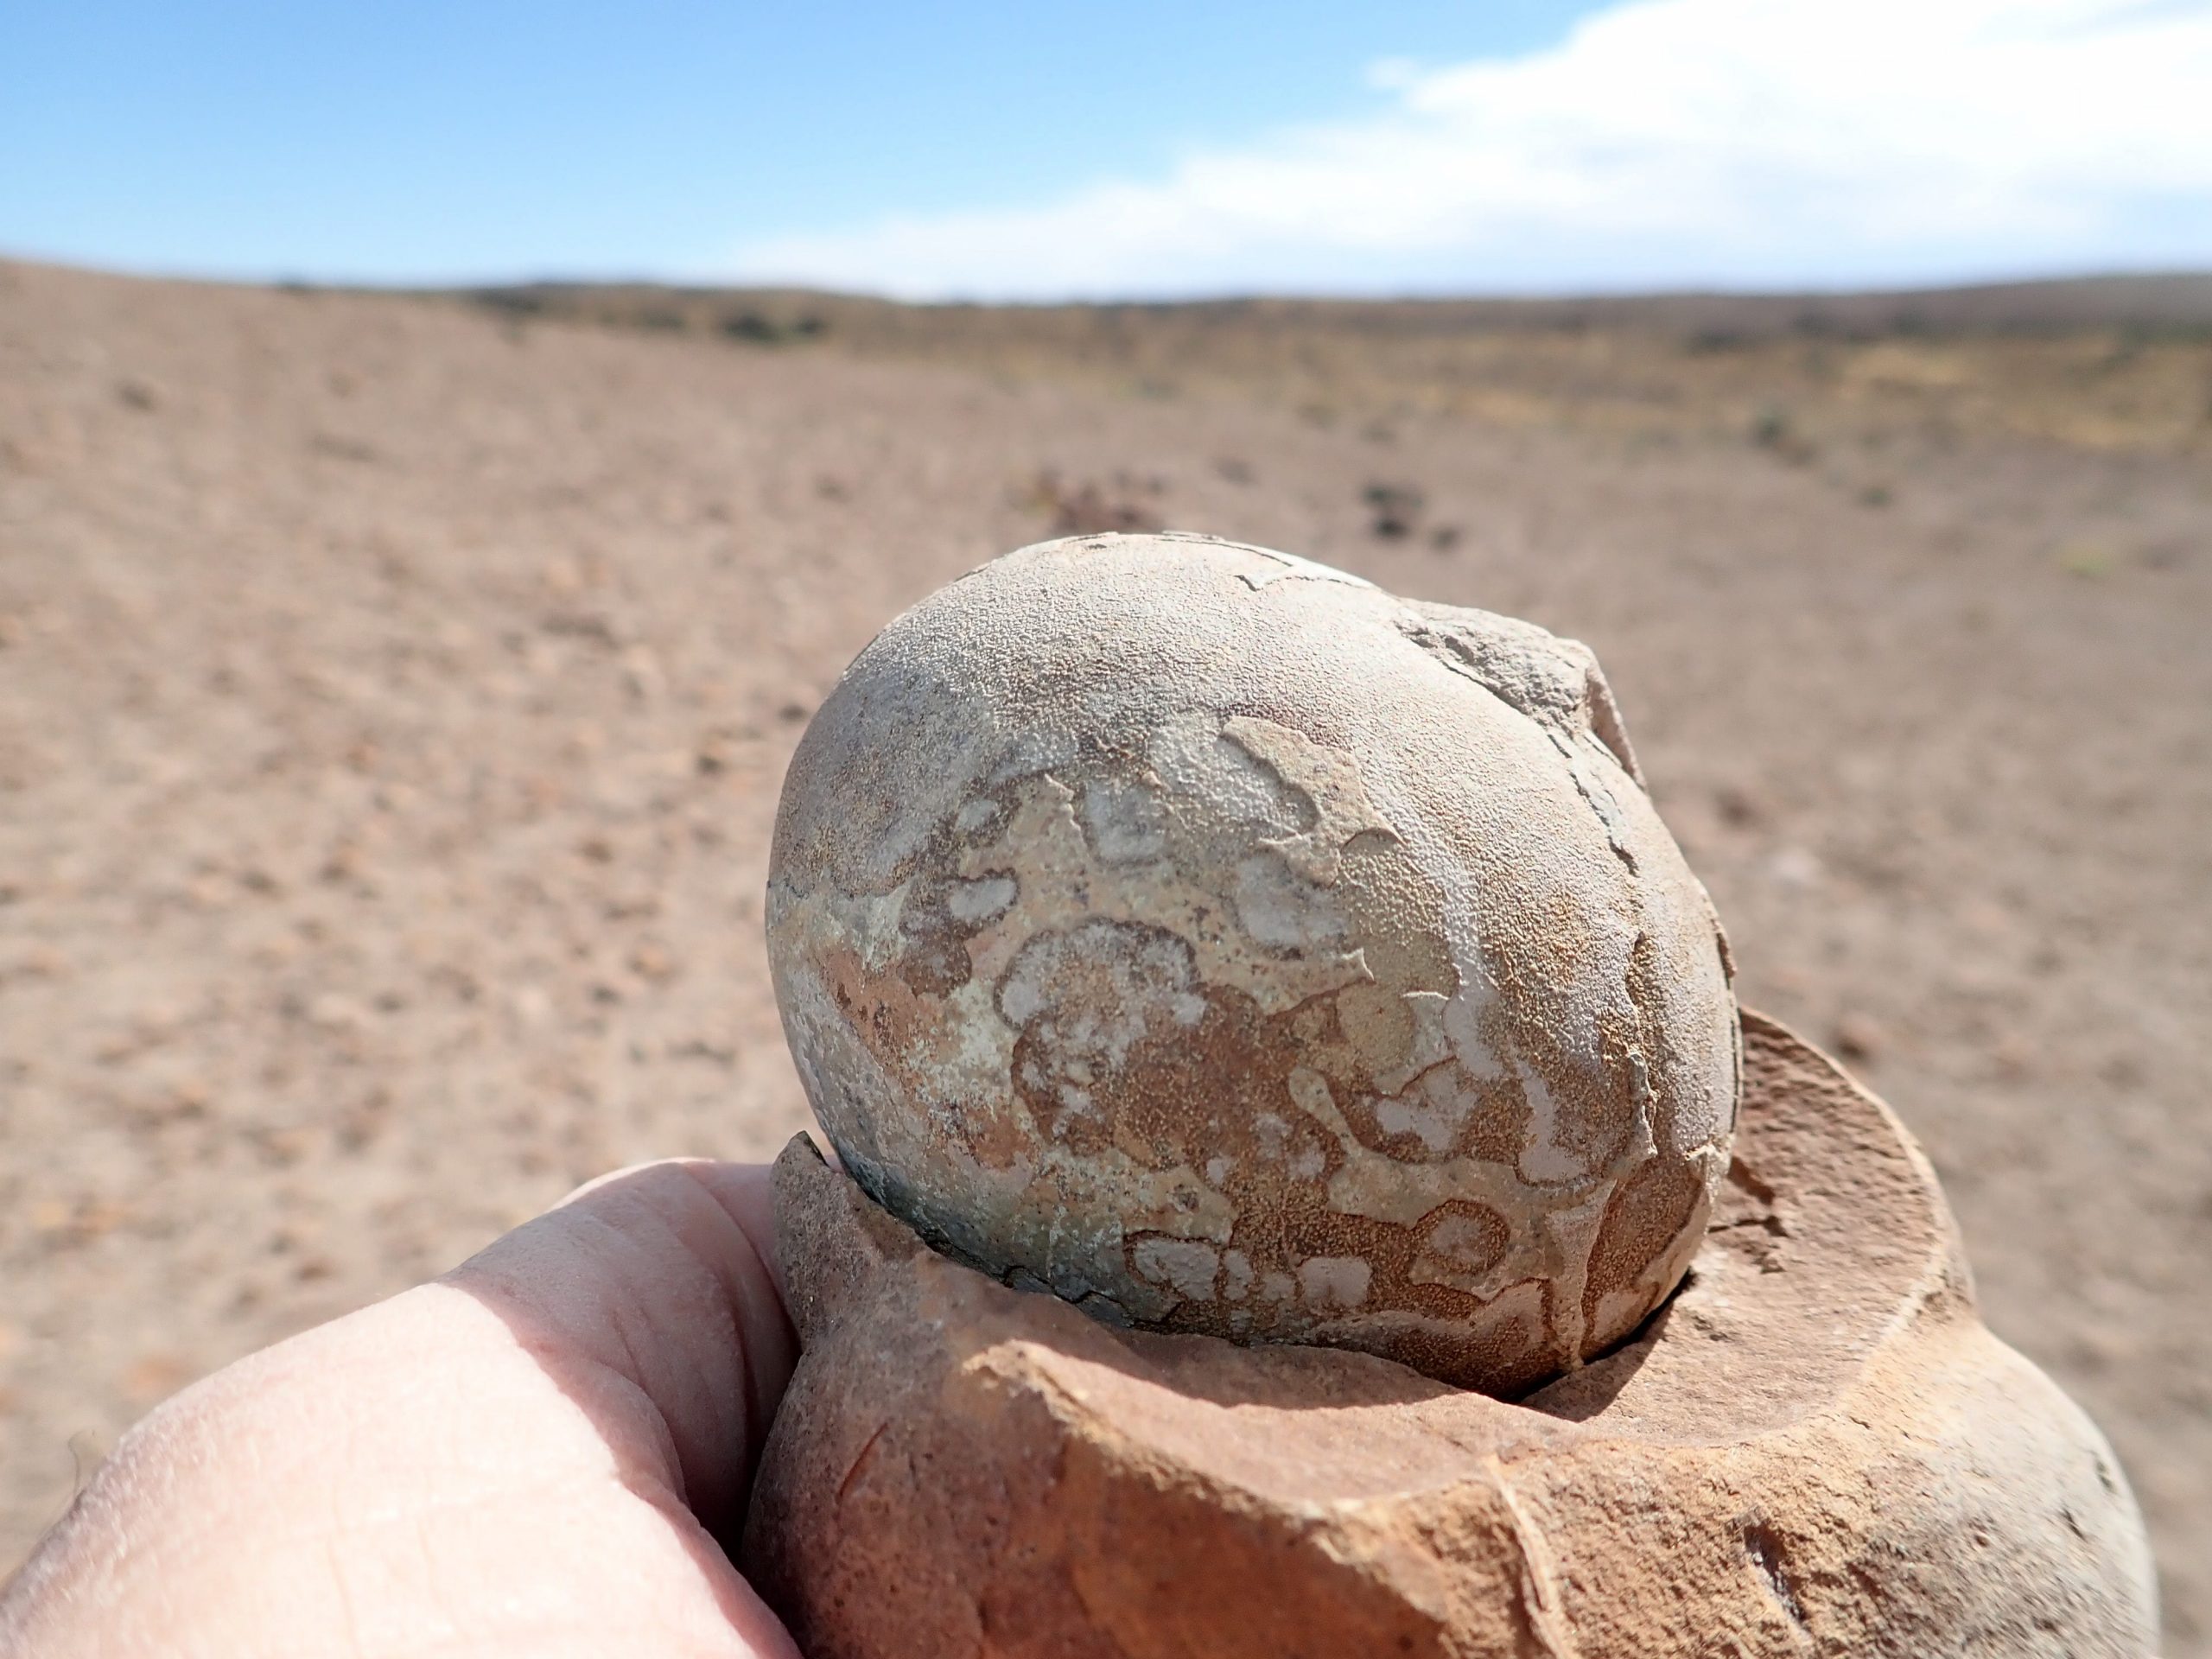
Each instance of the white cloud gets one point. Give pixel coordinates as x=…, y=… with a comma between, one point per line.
x=1742, y=143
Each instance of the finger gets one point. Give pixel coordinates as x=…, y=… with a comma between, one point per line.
x=651, y=1297
x=745, y=1190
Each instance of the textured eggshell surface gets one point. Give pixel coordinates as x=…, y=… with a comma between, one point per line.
x=1216, y=941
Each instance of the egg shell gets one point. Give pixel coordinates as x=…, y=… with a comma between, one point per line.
x=1224, y=945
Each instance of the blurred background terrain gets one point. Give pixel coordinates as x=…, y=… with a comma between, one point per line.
x=395, y=690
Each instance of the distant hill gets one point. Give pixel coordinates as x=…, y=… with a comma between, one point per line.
x=2178, y=302
x=2106, y=362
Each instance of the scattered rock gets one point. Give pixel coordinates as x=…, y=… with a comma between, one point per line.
x=1794, y=866
x=1773, y=430
x=339, y=447
x=1740, y=808
x=755, y=328
x=724, y=749
x=1397, y=509
x=1087, y=509
x=2086, y=559
x=155, y=1376
x=1859, y=1038
x=335, y=1011
x=652, y=962
x=532, y=1005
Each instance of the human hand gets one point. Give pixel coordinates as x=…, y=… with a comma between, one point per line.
x=536, y=1454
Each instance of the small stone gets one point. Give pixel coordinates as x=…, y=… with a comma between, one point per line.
x=1397, y=508
x=651, y=961
x=1859, y=1038
x=154, y=1378
x=1738, y=807
x=1794, y=866
x=334, y=1011
x=532, y=1005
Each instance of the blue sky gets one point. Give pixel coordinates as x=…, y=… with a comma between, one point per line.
x=1040, y=150
x=409, y=140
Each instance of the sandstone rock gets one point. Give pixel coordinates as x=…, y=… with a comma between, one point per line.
x=1815, y=1448
x=1229, y=946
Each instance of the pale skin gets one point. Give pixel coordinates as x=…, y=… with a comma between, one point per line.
x=543, y=1453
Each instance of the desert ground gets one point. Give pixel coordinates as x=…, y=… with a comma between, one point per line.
x=395, y=690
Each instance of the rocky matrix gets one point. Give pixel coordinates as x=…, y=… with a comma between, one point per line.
x=1229, y=946
x=1816, y=1451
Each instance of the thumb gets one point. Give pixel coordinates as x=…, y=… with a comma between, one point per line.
x=652, y=1296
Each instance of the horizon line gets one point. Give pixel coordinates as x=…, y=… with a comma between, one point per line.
x=283, y=281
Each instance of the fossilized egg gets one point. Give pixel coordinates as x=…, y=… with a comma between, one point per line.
x=1226, y=946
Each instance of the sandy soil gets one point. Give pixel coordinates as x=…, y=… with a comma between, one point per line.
x=393, y=698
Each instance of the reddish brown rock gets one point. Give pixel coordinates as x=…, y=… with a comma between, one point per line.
x=1815, y=1448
